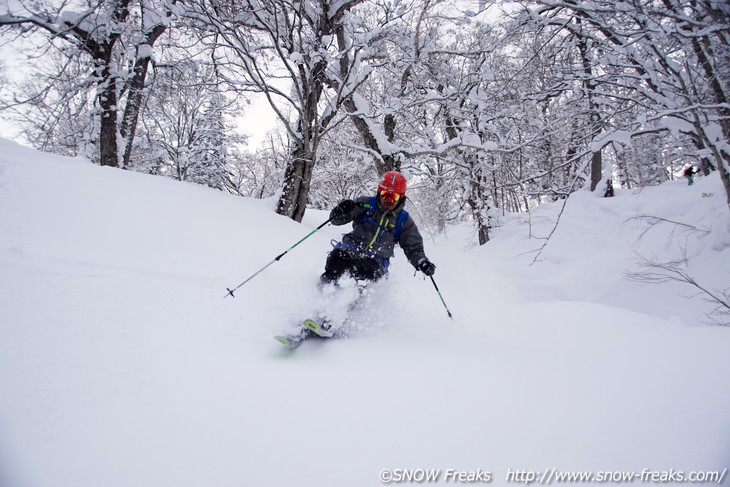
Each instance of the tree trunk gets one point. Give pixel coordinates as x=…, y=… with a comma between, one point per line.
x=478, y=200
x=136, y=89
x=596, y=170
x=589, y=87
x=721, y=156
x=297, y=182
x=725, y=175
x=386, y=162
x=107, y=98
x=303, y=152
x=133, y=108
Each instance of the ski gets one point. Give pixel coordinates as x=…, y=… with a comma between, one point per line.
x=289, y=341
x=293, y=340
x=322, y=330
x=309, y=329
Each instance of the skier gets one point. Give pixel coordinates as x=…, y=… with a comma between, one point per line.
x=689, y=174
x=378, y=224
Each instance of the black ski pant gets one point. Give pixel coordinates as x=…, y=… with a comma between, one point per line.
x=360, y=267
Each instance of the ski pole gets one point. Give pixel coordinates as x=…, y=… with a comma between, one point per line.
x=277, y=258
x=442, y=298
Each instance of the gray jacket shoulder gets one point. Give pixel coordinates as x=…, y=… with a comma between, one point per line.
x=411, y=241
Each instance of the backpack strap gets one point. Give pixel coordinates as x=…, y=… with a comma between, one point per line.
x=402, y=217
x=371, y=206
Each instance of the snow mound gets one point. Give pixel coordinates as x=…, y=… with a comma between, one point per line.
x=121, y=363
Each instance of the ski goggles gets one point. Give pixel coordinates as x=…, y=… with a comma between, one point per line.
x=387, y=195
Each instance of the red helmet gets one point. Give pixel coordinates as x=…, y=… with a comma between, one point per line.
x=393, y=181
x=391, y=189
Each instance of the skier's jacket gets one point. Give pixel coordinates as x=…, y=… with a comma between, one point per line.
x=375, y=231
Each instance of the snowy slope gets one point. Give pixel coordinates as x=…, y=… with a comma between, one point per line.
x=121, y=364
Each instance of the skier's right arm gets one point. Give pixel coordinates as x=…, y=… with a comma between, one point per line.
x=344, y=212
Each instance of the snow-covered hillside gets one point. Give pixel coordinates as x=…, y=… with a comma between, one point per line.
x=121, y=363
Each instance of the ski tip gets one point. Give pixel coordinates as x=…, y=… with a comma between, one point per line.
x=284, y=341
x=318, y=330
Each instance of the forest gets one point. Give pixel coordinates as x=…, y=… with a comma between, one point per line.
x=487, y=106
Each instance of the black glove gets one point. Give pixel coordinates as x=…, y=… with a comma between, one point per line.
x=340, y=214
x=426, y=266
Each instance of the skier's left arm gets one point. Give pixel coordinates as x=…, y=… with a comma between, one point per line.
x=412, y=244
